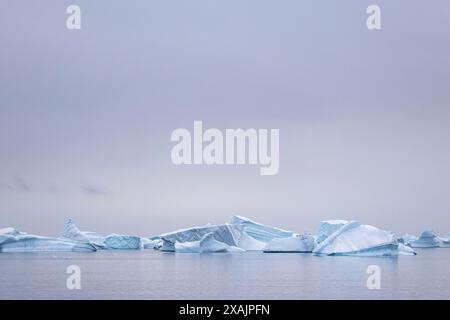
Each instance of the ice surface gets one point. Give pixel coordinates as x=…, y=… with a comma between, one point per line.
x=358, y=239
x=117, y=241
x=12, y=240
x=297, y=243
x=72, y=232
x=428, y=239
x=225, y=233
x=207, y=244
x=259, y=231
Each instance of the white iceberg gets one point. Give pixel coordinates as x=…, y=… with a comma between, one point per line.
x=117, y=241
x=72, y=232
x=207, y=244
x=428, y=239
x=225, y=233
x=259, y=231
x=12, y=240
x=353, y=238
x=297, y=243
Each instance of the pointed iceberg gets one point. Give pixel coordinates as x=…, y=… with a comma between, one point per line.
x=12, y=240
x=259, y=231
x=297, y=243
x=72, y=232
x=428, y=239
x=355, y=239
x=207, y=244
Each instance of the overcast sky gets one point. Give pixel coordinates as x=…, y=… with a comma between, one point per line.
x=86, y=116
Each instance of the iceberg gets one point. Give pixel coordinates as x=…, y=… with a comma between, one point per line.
x=117, y=241
x=72, y=232
x=297, y=243
x=260, y=232
x=225, y=233
x=428, y=239
x=355, y=239
x=207, y=244
x=12, y=240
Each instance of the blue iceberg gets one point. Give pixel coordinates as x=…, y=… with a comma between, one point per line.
x=122, y=242
x=207, y=244
x=428, y=239
x=355, y=239
x=12, y=240
x=296, y=243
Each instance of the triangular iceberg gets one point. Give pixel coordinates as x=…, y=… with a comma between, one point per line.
x=72, y=232
x=259, y=231
x=355, y=239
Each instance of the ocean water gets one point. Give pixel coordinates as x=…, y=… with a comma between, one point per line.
x=150, y=274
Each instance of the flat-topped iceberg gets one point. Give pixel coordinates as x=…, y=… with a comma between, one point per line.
x=225, y=233
x=207, y=244
x=428, y=239
x=12, y=240
x=118, y=241
x=355, y=239
x=259, y=231
x=296, y=243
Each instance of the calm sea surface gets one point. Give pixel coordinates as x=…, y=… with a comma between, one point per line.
x=150, y=274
